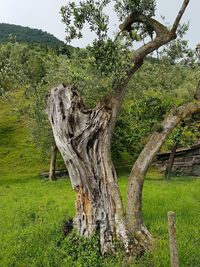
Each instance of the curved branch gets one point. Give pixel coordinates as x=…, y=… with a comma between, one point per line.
x=179, y=16
x=163, y=35
x=138, y=172
x=136, y=17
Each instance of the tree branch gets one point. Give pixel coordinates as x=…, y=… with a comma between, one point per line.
x=136, y=17
x=138, y=172
x=179, y=16
x=163, y=35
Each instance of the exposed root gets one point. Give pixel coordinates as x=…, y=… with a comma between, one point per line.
x=145, y=241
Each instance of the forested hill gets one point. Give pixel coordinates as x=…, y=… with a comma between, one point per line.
x=27, y=35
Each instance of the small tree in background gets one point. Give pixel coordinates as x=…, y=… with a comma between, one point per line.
x=23, y=67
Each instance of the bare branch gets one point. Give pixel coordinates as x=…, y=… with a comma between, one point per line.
x=179, y=16
x=163, y=35
x=137, y=175
x=140, y=18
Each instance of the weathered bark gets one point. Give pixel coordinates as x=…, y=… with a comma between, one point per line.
x=170, y=163
x=52, y=169
x=138, y=172
x=171, y=216
x=83, y=138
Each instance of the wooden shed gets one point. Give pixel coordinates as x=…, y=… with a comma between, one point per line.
x=186, y=162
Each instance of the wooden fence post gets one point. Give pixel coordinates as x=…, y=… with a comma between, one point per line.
x=170, y=163
x=172, y=239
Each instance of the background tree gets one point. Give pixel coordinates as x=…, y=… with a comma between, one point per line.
x=22, y=69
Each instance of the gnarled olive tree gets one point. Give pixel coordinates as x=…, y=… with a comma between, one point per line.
x=84, y=136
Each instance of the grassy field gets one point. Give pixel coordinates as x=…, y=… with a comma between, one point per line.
x=32, y=211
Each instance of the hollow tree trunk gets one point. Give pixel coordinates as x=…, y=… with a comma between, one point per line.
x=138, y=172
x=52, y=169
x=170, y=162
x=83, y=138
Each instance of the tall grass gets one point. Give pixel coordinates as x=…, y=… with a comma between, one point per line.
x=32, y=213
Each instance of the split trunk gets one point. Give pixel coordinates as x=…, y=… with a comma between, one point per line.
x=83, y=138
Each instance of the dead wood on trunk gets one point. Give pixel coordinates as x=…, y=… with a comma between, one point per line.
x=83, y=138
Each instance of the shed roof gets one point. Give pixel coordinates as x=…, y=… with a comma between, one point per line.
x=179, y=151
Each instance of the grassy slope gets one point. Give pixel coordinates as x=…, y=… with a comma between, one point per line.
x=32, y=211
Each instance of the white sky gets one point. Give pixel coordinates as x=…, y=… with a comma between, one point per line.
x=44, y=14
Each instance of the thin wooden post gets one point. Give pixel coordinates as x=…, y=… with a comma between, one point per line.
x=170, y=162
x=172, y=239
x=52, y=169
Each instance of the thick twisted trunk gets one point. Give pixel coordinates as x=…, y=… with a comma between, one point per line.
x=83, y=138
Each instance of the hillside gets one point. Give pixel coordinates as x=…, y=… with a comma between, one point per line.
x=17, y=153
x=28, y=35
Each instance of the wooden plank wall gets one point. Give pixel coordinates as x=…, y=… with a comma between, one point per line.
x=186, y=162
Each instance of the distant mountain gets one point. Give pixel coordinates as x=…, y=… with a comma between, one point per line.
x=27, y=35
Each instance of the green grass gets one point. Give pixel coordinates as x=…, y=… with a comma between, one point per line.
x=32, y=212
x=183, y=197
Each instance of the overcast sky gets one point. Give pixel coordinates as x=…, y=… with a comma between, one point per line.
x=44, y=14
